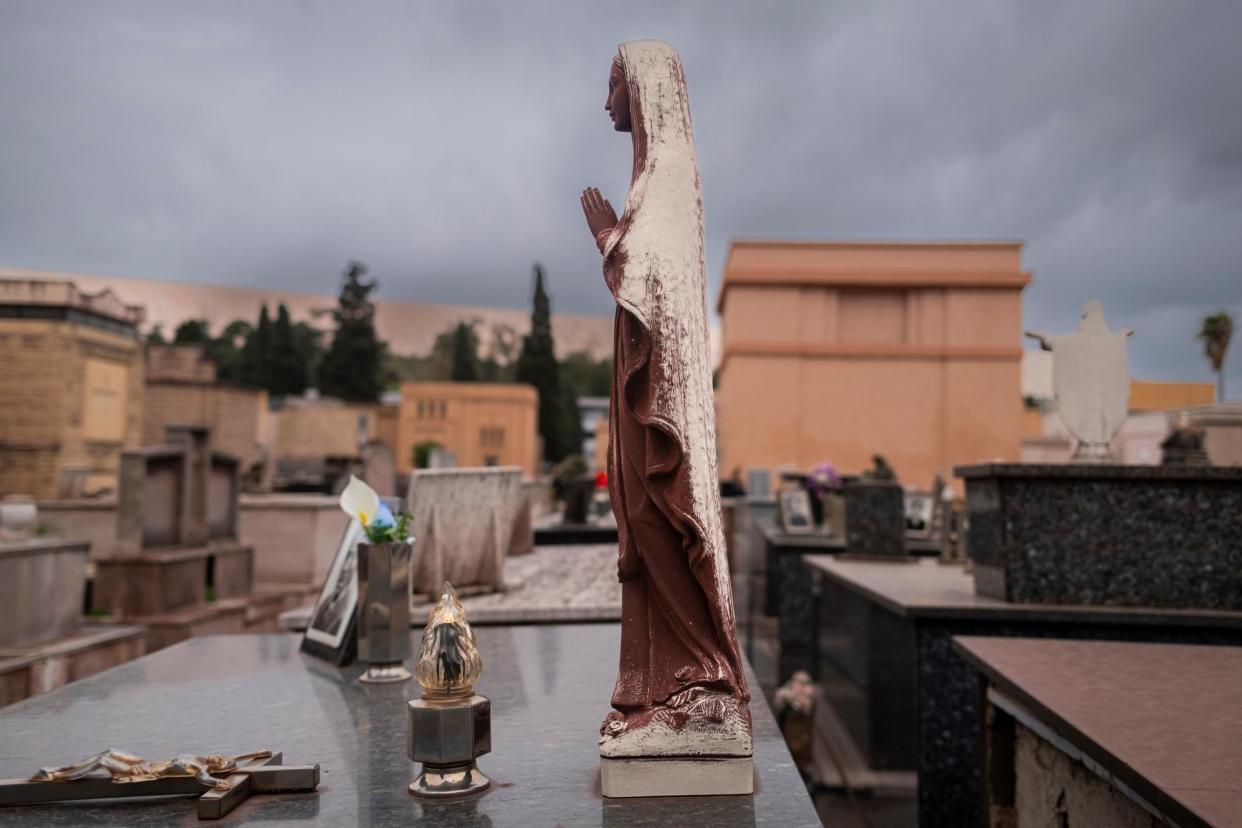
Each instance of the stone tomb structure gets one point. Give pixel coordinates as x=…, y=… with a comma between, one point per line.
x=179, y=566
x=463, y=524
x=1104, y=534
x=874, y=517
x=44, y=642
x=1159, y=748
x=909, y=702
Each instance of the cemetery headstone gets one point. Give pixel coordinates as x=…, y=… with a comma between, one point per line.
x=179, y=566
x=875, y=518
x=463, y=522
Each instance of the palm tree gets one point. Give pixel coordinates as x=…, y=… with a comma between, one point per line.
x=1215, y=332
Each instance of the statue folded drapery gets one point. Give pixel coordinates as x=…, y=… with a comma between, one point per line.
x=681, y=689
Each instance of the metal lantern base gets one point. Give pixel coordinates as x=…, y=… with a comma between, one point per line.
x=452, y=780
x=447, y=736
x=386, y=673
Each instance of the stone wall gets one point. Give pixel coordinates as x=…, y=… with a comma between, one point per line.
x=324, y=428
x=840, y=351
x=179, y=363
x=236, y=416
x=42, y=590
x=91, y=520
x=1053, y=789
x=294, y=536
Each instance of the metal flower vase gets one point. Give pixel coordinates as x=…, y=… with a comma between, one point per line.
x=384, y=610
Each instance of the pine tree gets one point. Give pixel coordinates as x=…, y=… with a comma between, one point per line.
x=156, y=337
x=351, y=369
x=465, y=354
x=558, y=417
x=192, y=332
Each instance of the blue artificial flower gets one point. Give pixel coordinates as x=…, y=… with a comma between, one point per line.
x=383, y=517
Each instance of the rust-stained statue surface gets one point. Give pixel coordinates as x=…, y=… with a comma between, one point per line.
x=681, y=690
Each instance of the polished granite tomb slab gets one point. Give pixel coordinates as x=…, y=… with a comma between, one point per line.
x=910, y=701
x=1078, y=533
x=549, y=687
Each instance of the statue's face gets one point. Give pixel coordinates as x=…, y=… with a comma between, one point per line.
x=618, y=100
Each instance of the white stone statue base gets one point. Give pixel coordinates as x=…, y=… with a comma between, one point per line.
x=677, y=776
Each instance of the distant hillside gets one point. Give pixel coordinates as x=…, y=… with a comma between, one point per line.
x=410, y=328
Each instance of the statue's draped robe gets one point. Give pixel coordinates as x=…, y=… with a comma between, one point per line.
x=678, y=627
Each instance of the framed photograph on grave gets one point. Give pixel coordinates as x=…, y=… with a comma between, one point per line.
x=794, y=508
x=331, y=633
x=919, y=509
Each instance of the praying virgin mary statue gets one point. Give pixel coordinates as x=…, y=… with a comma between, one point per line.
x=681, y=695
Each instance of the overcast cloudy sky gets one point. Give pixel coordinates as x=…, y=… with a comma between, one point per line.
x=445, y=144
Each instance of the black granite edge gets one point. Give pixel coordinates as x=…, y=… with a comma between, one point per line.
x=1228, y=619
x=1164, y=801
x=1070, y=613
x=811, y=540
x=782, y=542
x=1099, y=471
x=574, y=535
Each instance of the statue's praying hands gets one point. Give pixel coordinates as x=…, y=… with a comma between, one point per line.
x=600, y=216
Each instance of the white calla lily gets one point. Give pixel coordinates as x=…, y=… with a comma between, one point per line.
x=360, y=501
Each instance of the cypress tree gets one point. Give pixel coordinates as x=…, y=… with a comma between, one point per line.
x=288, y=371
x=256, y=368
x=351, y=369
x=558, y=417
x=465, y=354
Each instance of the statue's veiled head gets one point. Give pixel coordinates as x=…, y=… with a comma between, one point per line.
x=618, y=101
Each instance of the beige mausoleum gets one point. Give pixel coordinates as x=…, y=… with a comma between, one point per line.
x=836, y=351
x=481, y=423
x=71, y=375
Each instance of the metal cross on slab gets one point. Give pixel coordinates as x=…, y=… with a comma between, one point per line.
x=221, y=783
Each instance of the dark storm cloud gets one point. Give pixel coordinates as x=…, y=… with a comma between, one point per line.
x=445, y=144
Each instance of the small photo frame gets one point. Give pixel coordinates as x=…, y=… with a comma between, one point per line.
x=920, y=512
x=794, y=507
x=331, y=633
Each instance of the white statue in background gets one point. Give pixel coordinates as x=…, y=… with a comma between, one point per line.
x=1091, y=381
